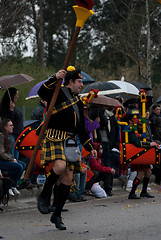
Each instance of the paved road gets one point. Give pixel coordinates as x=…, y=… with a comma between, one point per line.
x=115, y=218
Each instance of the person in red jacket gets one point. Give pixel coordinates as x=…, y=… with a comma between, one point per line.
x=103, y=172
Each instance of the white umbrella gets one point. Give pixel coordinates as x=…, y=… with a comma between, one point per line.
x=127, y=87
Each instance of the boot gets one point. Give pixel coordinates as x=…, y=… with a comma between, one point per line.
x=58, y=222
x=144, y=192
x=55, y=193
x=43, y=200
x=132, y=194
x=108, y=184
x=62, y=196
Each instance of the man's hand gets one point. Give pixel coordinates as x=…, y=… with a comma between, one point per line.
x=94, y=153
x=61, y=74
x=12, y=106
x=153, y=144
x=112, y=171
x=84, y=170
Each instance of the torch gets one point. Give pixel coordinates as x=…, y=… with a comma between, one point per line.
x=83, y=12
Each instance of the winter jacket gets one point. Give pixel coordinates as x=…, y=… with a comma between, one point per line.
x=6, y=156
x=96, y=163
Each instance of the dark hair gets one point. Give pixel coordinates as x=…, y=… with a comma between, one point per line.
x=7, y=141
x=155, y=106
x=7, y=98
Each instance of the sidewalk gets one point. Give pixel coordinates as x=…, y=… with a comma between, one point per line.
x=28, y=197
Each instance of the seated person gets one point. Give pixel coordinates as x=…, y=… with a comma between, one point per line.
x=7, y=161
x=103, y=173
x=143, y=171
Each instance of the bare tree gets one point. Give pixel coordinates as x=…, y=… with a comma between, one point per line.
x=14, y=25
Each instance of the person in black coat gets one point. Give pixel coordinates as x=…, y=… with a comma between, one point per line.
x=66, y=120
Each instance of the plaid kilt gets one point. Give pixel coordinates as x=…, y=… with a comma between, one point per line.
x=52, y=151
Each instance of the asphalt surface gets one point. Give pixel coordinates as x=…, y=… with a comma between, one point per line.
x=97, y=219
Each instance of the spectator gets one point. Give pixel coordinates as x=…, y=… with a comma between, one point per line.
x=103, y=172
x=149, y=136
x=78, y=186
x=114, y=141
x=90, y=125
x=103, y=138
x=9, y=110
x=79, y=181
x=155, y=112
x=7, y=161
x=38, y=112
x=157, y=131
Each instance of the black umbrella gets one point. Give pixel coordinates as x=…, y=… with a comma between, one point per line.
x=141, y=85
x=105, y=88
x=158, y=100
x=86, y=78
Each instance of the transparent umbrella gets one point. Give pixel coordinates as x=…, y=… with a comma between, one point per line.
x=13, y=80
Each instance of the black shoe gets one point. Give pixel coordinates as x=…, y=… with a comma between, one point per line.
x=74, y=200
x=64, y=210
x=82, y=199
x=146, y=194
x=23, y=184
x=51, y=208
x=133, y=196
x=58, y=222
x=43, y=204
x=110, y=194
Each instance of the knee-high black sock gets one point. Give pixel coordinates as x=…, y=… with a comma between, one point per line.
x=135, y=184
x=51, y=178
x=55, y=192
x=62, y=194
x=145, y=184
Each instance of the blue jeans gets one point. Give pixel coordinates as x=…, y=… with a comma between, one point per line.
x=13, y=151
x=23, y=164
x=80, y=179
x=14, y=170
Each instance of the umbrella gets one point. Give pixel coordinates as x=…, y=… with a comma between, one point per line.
x=127, y=87
x=105, y=101
x=140, y=85
x=33, y=92
x=13, y=80
x=158, y=100
x=105, y=88
x=86, y=78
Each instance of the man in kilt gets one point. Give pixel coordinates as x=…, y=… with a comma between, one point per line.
x=67, y=120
